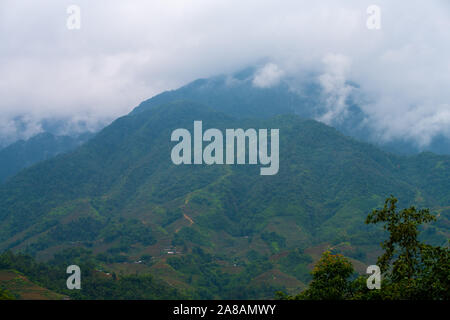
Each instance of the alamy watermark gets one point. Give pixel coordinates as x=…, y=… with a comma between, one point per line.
x=74, y=280
x=74, y=19
x=374, y=280
x=374, y=20
x=235, y=147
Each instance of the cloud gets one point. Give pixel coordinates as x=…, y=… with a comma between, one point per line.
x=18, y=128
x=267, y=76
x=128, y=51
x=335, y=88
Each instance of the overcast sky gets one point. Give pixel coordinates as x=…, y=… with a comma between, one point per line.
x=127, y=51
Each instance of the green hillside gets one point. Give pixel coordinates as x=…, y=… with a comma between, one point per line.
x=220, y=231
x=21, y=277
x=19, y=287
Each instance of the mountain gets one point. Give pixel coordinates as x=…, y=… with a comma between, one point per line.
x=236, y=95
x=43, y=146
x=220, y=231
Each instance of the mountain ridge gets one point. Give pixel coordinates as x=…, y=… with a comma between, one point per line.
x=237, y=95
x=24, y=153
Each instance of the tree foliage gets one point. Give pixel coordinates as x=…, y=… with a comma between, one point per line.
x=410, y=269
x=330, y=279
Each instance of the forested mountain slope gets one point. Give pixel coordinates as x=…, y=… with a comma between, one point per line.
x=121, y=196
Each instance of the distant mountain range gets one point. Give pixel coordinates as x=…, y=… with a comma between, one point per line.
x=43, y=146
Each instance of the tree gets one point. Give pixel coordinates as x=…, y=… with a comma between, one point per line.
x=411, y=269
x=330, y=279
x=403, y=243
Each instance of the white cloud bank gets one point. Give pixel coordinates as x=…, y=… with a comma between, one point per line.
x=127, y=51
